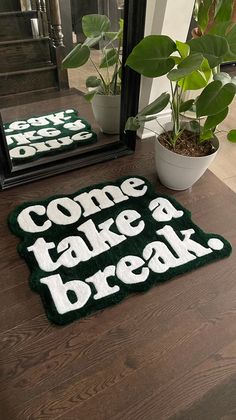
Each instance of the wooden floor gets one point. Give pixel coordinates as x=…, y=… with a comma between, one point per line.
x=169, y=353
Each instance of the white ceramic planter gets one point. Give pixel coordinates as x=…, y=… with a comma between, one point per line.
x=106, y=110
x=179, y=172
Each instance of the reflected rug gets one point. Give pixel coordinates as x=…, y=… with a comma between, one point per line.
x=47, y=135
x=90, y=249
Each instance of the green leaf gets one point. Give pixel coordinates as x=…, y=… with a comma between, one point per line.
x=93, y=81
x=91, y=42
x=132, y=124
x=195, y=126
x=206, y=135
x=89, y=96
x=220, y=28
x=212, y=47
x=185, y=106
x=213, y=120
x=198, y=79
x=203, y=14
x=194, y=81
x=95, y=25
x=121, y=26
x=222, y=77
x=176, y=59
x=151, y=57
x=224, y=11
x=146, y=119
x=110, y=58
x=231, y=39
x=156, y=106
x=111, y=35
x=77, y=57
x=231, y=136
x=183, y=48
x=214, y=98
x=186, y=67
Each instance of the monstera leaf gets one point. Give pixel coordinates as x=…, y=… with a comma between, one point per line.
x=110, y=58
x=77, y=57
x=203, y=14
x=215, y=98
x=183, y=49
x=95, y=25
x=151, y=57
x=198, y=79
x=213, y=120
x=213, y=48
x=232, y=136
x=186, y=66
x=156, y=106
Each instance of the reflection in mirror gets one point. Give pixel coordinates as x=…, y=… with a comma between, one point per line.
x=46, y=136
x=94, y=65
x=61, y=84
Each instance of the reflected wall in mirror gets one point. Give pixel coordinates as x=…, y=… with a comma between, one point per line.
x=65, y=93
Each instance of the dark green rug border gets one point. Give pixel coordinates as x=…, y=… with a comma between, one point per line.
x=53, y=152
x=125, y=290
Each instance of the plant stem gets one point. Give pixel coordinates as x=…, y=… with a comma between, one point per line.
x=102, y=78
x=177, y=108
x=115, y=73
x=107, y=70
x=173, y=110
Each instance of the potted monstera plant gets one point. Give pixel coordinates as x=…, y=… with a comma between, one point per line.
x=184, y=150
x=104, y=88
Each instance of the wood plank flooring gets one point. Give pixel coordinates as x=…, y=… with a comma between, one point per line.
x=169, y=353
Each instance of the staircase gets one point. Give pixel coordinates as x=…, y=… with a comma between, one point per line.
x=30, y=63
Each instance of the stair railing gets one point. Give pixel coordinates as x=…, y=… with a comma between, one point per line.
x=56, y=38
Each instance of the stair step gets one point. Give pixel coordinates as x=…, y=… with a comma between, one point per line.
x=28, y=80
x=24, y=40
x=31, y=13
x=24, y=55
x=28, y=97
x=16, y=25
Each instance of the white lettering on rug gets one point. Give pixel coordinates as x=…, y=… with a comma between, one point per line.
x=27, y=139
x=98, y=244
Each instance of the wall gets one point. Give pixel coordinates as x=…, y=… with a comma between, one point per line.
x=167, y=17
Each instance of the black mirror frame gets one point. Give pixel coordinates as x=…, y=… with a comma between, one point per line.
x=134, y=17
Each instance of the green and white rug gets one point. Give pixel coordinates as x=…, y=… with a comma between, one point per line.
x=90, y=249
x=47, y=135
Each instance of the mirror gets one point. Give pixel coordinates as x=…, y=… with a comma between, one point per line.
x=65, y=93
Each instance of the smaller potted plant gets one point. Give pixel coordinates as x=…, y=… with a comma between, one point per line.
x=184, y=150
x=103, y=91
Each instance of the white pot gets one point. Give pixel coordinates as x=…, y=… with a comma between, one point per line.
x=106, y=110
x=179, y=172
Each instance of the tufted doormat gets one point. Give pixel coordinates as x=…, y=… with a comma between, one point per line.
x=90, y=249
x=47, y=135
